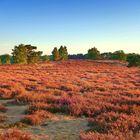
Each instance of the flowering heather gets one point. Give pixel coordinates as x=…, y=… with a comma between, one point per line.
x=108, y=95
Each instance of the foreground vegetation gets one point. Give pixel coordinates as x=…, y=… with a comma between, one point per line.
x=106, y=94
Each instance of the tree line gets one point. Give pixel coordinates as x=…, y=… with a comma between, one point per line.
x=28, y=54
x=132, y=58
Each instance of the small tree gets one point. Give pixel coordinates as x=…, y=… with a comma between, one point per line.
x=24, y=54
x=63, y=53
x=119, y=55
x=20, y=54
x=93, y=54
x=133, y=60
x=55, y=54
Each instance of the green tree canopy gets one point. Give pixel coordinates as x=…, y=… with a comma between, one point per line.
x=24, y=54
x=119, y=55
x=93, y=54
x=133, y=60
x=34, y=57
x=55, y=54
x=20, y=54
x=5, y=59
x=63, y=53
x=45, y=58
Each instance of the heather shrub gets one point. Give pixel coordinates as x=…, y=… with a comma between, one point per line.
x=14, y=134
x=117, y=136
x=108, y=94
x=115, y=123
x=97, y=136
x=38, y=117
x=37, y=106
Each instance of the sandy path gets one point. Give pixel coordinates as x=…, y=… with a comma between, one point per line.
x=62, y=129
x=55, y=129
x=15, y=112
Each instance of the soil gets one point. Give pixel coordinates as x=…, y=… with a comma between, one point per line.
x=62, y=128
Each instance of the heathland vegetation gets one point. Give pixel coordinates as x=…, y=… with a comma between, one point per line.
x=71, y=100
x=48, y=97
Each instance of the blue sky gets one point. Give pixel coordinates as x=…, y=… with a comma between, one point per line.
x=79, y=24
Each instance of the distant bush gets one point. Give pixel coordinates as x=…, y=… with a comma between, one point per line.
x=93, y=53
x=133, y=60
x=77, y=56
x=106, y=55
x=5, y=59
x=119, y=55
x=45, y=58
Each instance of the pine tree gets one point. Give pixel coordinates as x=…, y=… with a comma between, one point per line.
x=55, y=54
x=63, y=53
x=20, y=54
x=25, y=54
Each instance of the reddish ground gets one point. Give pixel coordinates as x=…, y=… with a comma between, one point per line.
x=71, y=100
